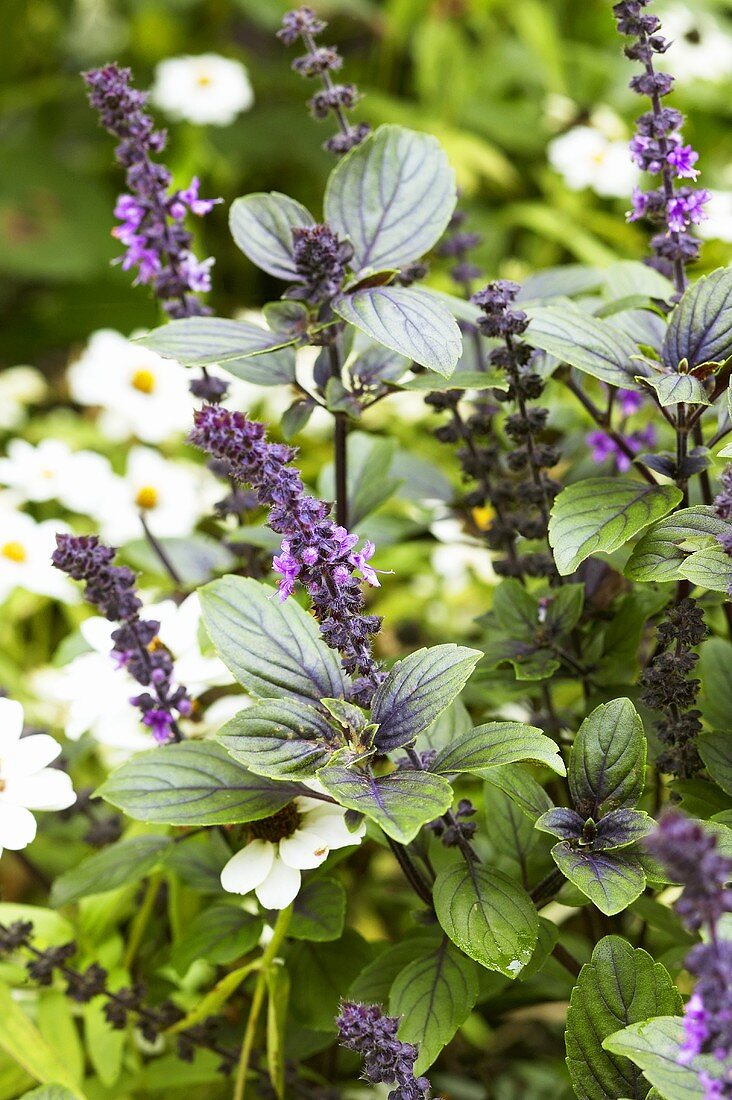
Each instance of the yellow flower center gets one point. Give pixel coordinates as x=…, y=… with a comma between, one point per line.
x=203, y=81
x=14, y=551
x=483, y=517
x=147, y=497
x=599, y=157
x=143, y=380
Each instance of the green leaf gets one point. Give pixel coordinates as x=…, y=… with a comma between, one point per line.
x=392, y=196
x=495, y=744
x=319, y=973
x=373, y=984
x=22, y=1040
x=410, y=321
x=620, y=986
x=715, y=750
x=715, y=673
x=212, y=1001
x=583, y=341
x=261, y=225
x=607, y=760
x=369, y=464
x=245, y=350
x=417, y=690
x=627, y=277
x=193, y=783
x=673, y=388
x=700, y=328
x=709, y=568
x=117, y=865
x=400, y=803
x=488, y=916
x=319, y=912
x=278, y=998
x=57, y=1025
x=274, y=649
x=599, y=515
x=460, y=380
x=433, y=995
x=219, y=934
x=611, y=880
x=195, y=558
x=524, y=791
x=658, y=553
x=49, y=1092
x=281, y=738
x=655, y=1046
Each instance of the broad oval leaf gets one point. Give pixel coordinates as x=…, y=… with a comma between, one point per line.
x=193, y=783
x=400, y=803
x=117, y=865
x=433, y=995
x=658, y=553
x=243, y=349
x=488, y=916
x=495, y=744
x=709, y=568
x=583, y=341
x=319, y=912
x=21, y=1039
x=618, y=987
x=392, y=196
x=607, y=760
x=599, y=515
x=611, y=880
x=417, y=690
x=655, y=1046
x=261, y=225
x=410, y=321
x=282, y=738
x=272, y=648
x=700, y=328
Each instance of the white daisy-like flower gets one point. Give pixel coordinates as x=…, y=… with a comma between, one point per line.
x=19, y=387
x=26, y=781
x=208, y=89
x=140, y=393
x=718, y=223
x=52, y=471
x=296, y=839
x=701, y=46
x=172, y=496
x=25, y=557
x=586, y=157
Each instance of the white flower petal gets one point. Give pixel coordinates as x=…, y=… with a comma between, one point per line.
x=330, y=823
x=280, y=887
x=304, y=849
x=29, y=756
x=48, y=789
x=11, y=723
x=17, y=826
x=249, y=867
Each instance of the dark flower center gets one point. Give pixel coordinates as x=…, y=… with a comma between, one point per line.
x=280, y=825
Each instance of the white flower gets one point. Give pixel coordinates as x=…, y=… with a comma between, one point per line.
x=718, y=224
x=25, y=557
x=19, y=387
x=172, y=496
x=51, y=471
x=294, y=840
x=26, y=782
x=208, y=89
x=140, y=393
x=701, y=47
x=585, y=157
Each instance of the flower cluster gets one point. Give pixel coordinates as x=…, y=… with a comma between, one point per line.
x=365, y=1029
x=320, y=62
x=668, y=688
x=152, y=230
x=111, y=589
x=658, y=147
x=604, y=447
x=320, y=259
x=316, y=552
x=691, y=856
x=456, y=245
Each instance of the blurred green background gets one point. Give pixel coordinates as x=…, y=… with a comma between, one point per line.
x=496, y=80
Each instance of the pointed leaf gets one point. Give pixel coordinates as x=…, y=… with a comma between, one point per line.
x=117, y=865
x=599, y=515
x=673, y=388
x=655, y=1047
x=700, y=328
x=585, y=342
x=319, y=912
x=262, y=224
x=219, y=934
x=607, y=761
x=611, y=880
x=392, y=196
x=709, y=568
x=495, y=744
x=20, y=1038
x=409, y=321
x=245, y=350
x=400, y=803
x=658, y=553
x=282, y=738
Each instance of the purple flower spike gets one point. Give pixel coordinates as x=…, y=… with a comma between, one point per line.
x=316, y=552
x=365, y=1029
x=158, y=245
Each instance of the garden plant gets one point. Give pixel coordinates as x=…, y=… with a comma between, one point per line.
x=312, y=824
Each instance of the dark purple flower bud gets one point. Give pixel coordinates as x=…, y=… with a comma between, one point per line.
x=366, y=1030
x=299, y=23
x=320, y=259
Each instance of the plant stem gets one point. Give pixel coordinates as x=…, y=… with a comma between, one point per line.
x=161, y=554
x=411, y=871
x=340, y=444
x=142, y=917
x=278, y=934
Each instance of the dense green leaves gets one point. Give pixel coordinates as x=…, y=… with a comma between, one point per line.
x=272, y=648
x=583, y=341
x=670, y=389
x=119, y=864
x=433, y=995
x=620, y=986
x=245, y=350
x=392, y=197
x=219, y=934
x=715, y=750
x=401, y=803
x=487, y=915
x=262, y=224
x=607, y=761
x=193, y=783
x=417, y=690
x=20, y=1038
x=661, y=550
x=319, y=912
x=497, y=743
x=709, y=568
x=700, y=329
x=282, y=738
x=655, y=1047
x=411, y=322
x=599, y=515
